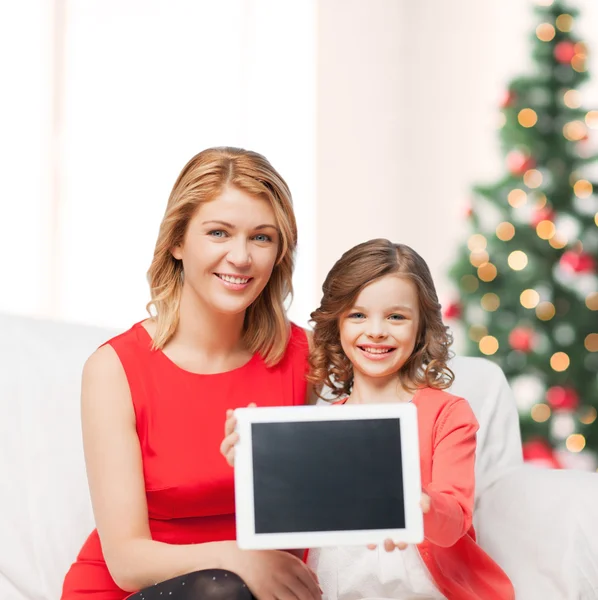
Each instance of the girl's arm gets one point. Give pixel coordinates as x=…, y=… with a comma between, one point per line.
x=452, y=488
x=115, y=475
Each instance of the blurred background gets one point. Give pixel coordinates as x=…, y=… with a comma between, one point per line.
x=381, y=115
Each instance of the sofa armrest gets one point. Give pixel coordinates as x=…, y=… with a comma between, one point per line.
x=541, y=526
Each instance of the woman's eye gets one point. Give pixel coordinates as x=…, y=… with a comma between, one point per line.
x=262, y=237
x=356, y=315
x=396, y=317
x=219, y=233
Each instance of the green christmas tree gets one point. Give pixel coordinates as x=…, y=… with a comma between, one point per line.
x=527, y=283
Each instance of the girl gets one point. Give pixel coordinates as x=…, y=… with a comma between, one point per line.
x=379, y=337
x=153, y=397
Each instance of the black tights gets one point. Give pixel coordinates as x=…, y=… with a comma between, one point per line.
x=210, y=584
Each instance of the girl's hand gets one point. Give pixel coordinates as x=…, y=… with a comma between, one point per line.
x=389, y=545
x=231, y=437
x=273, y=574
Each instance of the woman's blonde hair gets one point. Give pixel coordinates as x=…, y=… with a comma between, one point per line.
x=266, y=329
x=357, y=268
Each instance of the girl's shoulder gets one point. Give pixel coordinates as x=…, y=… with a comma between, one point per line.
x=442, y=406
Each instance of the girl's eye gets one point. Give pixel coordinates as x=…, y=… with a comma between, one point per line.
x=262, y=237
x=356, y=315
x=218, y=233
x=396, y=317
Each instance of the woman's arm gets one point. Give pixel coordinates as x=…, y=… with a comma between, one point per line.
x=452, y=487
x=115, y=475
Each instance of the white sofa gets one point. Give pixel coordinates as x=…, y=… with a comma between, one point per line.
x=540, y=525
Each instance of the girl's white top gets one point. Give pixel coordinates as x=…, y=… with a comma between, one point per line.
x=356, y=573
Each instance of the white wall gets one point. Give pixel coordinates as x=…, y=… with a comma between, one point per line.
x=380, y=115
x=408, y=97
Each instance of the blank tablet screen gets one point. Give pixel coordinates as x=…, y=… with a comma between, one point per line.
x=327, y=475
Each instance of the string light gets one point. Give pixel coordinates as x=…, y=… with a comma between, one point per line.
x=529, y=298
x=592, y=301
x=592, y=119
x=545, y=311
x=490, y=302
x=487, y=272
x=578, y=63
x=574, y=130
x=545, y=230
x=477, y=242
x=540, y=412
x=560, y=362
x=589, y=416
x=545, y=32
x=583, y=188
x=532, y=178
x=477, y=332
x=596, y=219
x=591, y=342
x=576, y=442
x=564, y=23
x=488, y=345
x=517, y=198
x=572, y=99
x=470, y=283
x=517, y=260
x=479, y=258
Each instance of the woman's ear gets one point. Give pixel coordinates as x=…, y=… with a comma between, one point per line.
x=177, y=251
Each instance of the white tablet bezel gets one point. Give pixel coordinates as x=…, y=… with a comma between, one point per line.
x=247, y=538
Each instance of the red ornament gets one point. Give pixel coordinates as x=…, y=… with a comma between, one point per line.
x=518, y=163
x=562, y=398
x=577, y=262
x=522, y=339
x=452, y=311
x=564, y=52
x=508, y=99
x=539, y=452
x=543, y=214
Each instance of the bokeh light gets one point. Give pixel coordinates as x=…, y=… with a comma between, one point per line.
x=560, y=361
x=487, y=272
x=545, y=32
x=517, y=198
x=517, y=260
x=505, y=231
x=490, y=302
x=540, y=412
x=545, y=311
x=529, y=298
x=488, y=345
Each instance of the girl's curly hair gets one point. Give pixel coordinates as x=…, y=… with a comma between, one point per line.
x=357, y=268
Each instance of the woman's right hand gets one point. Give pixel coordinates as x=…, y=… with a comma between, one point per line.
x=277, y=575
x=231, y=437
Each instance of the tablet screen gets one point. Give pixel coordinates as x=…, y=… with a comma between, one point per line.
x=327, y=475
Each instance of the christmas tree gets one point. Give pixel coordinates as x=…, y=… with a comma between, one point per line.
x=526, y=277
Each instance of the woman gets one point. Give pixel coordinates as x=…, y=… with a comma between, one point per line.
x=154, y=397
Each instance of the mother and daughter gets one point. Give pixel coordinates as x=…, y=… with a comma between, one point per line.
x=154, y=399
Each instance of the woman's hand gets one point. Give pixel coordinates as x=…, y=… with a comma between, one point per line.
x=389, y=545
x=231, y=437
x=275, y=574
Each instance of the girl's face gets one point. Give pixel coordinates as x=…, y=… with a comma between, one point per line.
x=229, y=250
x=379, y=332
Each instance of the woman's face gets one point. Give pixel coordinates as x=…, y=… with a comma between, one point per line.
x=229, y=250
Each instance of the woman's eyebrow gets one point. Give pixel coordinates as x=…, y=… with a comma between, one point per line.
x=231, y=226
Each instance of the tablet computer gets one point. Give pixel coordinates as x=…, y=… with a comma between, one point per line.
x=315, y=476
